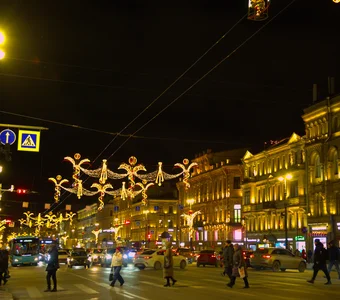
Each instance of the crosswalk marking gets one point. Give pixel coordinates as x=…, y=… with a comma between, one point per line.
x=33, y=292
x=86, y=289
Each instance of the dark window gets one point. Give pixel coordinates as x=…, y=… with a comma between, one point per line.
x=111, y=213
x=237, y=183
x=116, y=208
x=156, y=208
x=247, y=197
x=137, y=208
x=294, y=189
x=171, y=210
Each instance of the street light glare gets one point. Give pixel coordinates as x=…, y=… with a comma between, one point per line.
x=2, y=38
x=289, y=176
x=2, y=54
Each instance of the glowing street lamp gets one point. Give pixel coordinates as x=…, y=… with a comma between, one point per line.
x=2, y=41
x=336, y=1
x=284, y=180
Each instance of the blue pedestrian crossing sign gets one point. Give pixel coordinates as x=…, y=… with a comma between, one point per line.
x=7, y=136
x=29, y=140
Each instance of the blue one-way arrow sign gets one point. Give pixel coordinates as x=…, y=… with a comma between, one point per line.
x=7, y=136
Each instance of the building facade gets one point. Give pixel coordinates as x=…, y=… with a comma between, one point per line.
x=274, y=196
x=322, y=125
x=215, y=191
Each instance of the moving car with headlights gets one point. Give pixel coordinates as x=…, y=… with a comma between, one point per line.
x=155, y=258
x=277, y=259
x=62, y=256
x=78, y=257
x=207, y=257
x=97, y=255
x=107, y=258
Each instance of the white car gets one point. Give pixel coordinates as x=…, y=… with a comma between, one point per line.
x=155, y=258
x=97, y=256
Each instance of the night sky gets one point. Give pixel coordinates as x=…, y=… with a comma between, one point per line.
x=98, y=64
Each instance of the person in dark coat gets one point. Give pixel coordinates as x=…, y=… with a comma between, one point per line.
x=320, y=257
x=333, y=256
x=238, y=262
x=228, y=252
x=3, y=266
x=168, y=266
x=52, y=267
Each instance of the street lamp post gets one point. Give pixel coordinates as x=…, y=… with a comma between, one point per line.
x=284, y=180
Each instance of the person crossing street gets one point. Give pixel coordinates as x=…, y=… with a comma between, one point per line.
x=116, y=266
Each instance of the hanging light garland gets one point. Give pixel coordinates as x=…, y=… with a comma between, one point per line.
x=130, y=189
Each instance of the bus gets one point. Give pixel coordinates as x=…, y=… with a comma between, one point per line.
x=24, y=250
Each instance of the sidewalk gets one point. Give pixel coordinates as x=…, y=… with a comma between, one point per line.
x=5, y=295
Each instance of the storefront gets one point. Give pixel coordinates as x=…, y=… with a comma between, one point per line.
x=300, y=242
x=318, y=231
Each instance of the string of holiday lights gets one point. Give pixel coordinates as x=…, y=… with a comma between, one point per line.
x=130, y=189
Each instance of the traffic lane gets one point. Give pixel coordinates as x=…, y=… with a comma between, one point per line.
x=200, y=283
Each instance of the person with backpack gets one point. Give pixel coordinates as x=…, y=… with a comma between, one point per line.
x=320, y=258
x=333, y=255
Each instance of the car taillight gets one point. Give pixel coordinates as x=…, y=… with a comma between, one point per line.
x=198, y=256
x=266, y=256
x=213, y=256
x=147, y=257
x=251, y=256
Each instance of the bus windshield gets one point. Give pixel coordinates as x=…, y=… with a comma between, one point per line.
x=25, y=246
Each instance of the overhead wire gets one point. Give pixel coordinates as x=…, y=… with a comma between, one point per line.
x=194, y=84
x=204, y=76
x=167, y=89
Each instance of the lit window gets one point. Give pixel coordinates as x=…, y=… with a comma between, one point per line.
x=237, y=213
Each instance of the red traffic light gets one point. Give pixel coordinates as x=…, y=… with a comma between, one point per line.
x=21, y=191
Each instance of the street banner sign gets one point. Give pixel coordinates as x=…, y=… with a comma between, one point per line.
x=29, y=140
x=7, y=136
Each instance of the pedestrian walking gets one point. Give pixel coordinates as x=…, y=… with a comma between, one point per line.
x=320, y=257
x=333, y=256
x=239, y=267
x=168, y=266
x=116, y=266
x=52, y=267
x=228, y=252
x=3, y=266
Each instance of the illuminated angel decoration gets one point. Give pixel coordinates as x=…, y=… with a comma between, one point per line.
x=186, y=171
x=189, y=218
x=116, y=230
x=144, y=185
x=132, y=170
x=96, y=233
x=76, y=163
x=101, y=189
x=28, y=220
x=2, y=225
x=58, y=181
x=258, y=10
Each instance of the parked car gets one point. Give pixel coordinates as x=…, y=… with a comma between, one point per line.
x=97, y=255
x=155, y=258
x=277, y=259
x=107, y=257
x=78, y=257
x=62, y=256
x=207, y=257
x=186, y=252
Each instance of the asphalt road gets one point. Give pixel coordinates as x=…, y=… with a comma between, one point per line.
x=193, y=283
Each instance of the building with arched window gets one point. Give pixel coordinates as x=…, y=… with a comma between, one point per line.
x=274, y=202
x=322, y=164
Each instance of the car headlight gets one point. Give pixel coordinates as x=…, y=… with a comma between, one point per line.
x=16, y=260
x=125, y=256
x=108, y=256
x=95, y=256
x=36, y=259
x=132, y=254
